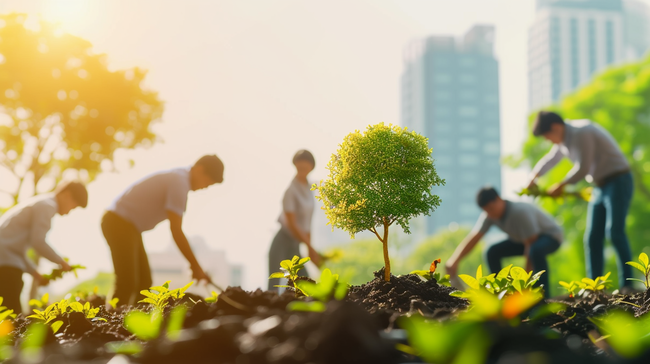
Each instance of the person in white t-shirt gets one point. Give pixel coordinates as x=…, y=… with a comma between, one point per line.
x=295, y=220
x=149, y=201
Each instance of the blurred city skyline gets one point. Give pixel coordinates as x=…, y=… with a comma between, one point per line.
x=254, y=81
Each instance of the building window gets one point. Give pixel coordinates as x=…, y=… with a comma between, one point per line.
x=469, y=160
x=575, y=62
x=442, y=78
x=491, y=132
x=439, y=111
x=555, y=52
x=468, y=210
x=442, y=96
x=468, y=127
x=591, y=28
x=491, y=148
x=442, y=126
x=467, y=111
x=467, y=78
x=467, y=62
x=467, y=95
x=609, y=41
x=441, y=145
x=468, y=144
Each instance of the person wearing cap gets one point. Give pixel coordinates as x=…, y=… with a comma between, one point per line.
x=25, y=226
x=295, y=220
x=531, y=232
x=597, y=158
x=143, y=205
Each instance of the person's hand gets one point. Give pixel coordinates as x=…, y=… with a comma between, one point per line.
x=556, y=190
x=65, y=266
x=200, y=275
x=315, y=256
x=40, y=280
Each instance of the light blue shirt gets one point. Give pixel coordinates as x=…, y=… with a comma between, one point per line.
x=24, y=226
x=146, y=202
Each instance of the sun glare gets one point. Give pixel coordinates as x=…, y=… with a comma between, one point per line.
x=66, y=12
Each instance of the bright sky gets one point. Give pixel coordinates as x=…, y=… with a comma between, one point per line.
x=255, y=80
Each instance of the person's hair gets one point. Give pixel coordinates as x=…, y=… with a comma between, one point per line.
x=486, y=195
x=77, y=190
x=543, y=122
x=212, y=166
x=304, y=155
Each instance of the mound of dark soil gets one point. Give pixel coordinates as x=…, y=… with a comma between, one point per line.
x=408, y=293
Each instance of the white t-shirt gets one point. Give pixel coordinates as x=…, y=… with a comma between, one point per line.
x=146, y=202
x=298, y=199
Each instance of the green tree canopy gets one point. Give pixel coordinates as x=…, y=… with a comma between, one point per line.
x=62, y=109
x=618, y=100
x=377, y=178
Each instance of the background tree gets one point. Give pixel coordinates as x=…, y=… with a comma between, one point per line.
x=618, y=100
x=378, y=178
x=63, y=111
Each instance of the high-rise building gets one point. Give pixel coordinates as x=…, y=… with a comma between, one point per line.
x=571, y=40
x=450, y=94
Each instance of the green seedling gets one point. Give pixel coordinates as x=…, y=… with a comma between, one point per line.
x=629, y=336
x=289, y=270
x=598, y=285
x=58, y=309
x=147, y=326
x=5, y=313
x=57, y=273
x=213, y=298
x=329, y=287
x=644, y=267
x=432, y=274
x=535, y=191
x=113, y=302
x=508, y=281
x=159, y=296
x=43, y=302
x=571, y=287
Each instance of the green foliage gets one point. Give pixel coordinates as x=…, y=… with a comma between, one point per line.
x=427, y=275
x=214, y=297
x=618, y=100
x=58, y=309
x=289, y=270
x=329, y=287
x=5, y=313
x=644, y=267
x=68, y=110
x=597, y=286
x=378, y=178
x=30, y=348
x=159, y=296
x=571, y=287
x=535, y=191
x=43, y=302
x=113, y=302
x=57, y=273
x=147, y=326
x=508, y=281
x=629, y=336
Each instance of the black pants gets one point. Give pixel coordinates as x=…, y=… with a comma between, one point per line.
x=11, y=285
x=132, y=272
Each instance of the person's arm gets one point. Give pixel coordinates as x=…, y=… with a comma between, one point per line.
x=552, y=158
x=461, y=251
x=301, y=236
x=41, y=223
x=175, y=224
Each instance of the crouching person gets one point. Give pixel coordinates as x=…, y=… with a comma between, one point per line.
x=531, y=233
x=24, y=226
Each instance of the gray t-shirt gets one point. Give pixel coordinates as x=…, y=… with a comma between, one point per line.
x=591, y=148
x=299, y=200
x=24, y=226
x=520, y=221
x=146, y=202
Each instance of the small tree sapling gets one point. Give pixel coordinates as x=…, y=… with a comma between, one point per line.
x=377, y=178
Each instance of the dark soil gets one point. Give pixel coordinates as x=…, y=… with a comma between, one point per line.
x=406, y=294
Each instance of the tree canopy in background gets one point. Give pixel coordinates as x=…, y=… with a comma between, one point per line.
x=619, y=100
x=62, y=110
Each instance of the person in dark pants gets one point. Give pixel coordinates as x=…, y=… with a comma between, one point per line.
x=597, y=158
x=149, y=201
x=24, y=226
x=295, y=220
x=531, y=233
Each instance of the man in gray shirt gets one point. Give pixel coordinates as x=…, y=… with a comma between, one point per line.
x=597, y=158
x=25, y=226
x=531, y=233
x=149, y=201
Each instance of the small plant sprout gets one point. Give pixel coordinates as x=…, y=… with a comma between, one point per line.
x=644, y=267
x=213, y=298
x=598, y=285
x=571, y=287
x=379, y=178
x=43, y=302
x=5, y=313
x=113, y=302
x=58, y=309
x=57, y=273
x=159, y=296
x=432, y=274
x=329, y=287
x=508, y=281
x=289, y=270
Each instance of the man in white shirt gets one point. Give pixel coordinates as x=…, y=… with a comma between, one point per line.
x=149, y=201
x=25, y=226
x=597, y=158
